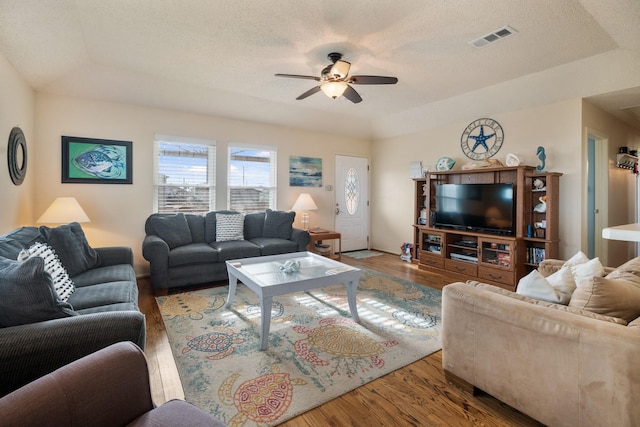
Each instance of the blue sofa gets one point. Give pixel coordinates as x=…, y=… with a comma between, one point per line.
x=189, y=249
x=39, y=332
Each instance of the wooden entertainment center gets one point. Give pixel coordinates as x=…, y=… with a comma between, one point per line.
x=500, y=260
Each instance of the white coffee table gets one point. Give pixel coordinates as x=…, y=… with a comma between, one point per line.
x=264, y=276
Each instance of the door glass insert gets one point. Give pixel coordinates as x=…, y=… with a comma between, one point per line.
x=351, y=191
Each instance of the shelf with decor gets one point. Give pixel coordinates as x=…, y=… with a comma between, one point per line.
x=541, y=210
x=507, y=252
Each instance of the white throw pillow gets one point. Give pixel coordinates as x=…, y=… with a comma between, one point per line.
x=61, y=281
x=229, y=227
x=556, y=288
x=587, y=270
x=578, y=258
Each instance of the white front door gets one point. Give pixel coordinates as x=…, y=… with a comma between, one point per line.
x=352, y=202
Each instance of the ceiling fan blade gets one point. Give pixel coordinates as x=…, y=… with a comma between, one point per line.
x=309, y=92
x=351, y=94
x=297, y=76
x=373, y=80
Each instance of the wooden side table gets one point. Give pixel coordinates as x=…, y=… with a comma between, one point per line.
x=317, y=236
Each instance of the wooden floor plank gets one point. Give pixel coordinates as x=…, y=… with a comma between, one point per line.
x=415, y=395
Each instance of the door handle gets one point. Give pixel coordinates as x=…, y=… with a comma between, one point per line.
x=337, y=209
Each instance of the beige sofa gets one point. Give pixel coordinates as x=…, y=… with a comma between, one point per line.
x=561, y=365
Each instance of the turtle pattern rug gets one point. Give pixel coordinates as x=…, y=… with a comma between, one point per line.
x=316, y=351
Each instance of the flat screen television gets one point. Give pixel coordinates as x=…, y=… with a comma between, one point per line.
x=484, y=208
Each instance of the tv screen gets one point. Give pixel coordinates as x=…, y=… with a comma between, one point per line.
x=485, y=208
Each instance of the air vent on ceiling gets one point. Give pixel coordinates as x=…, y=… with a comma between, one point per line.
x=493, y=36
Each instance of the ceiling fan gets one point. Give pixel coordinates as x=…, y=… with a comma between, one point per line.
x=335, y=81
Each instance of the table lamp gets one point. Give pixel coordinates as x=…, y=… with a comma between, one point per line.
x=63, y=210
x=304, y=203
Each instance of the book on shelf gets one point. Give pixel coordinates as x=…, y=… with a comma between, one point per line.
x=535, y=255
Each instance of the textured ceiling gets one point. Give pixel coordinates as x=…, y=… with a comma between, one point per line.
x=219, y=57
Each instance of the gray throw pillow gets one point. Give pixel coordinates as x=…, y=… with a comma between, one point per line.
x=72, y=247
x=278, y=224
x=173, y=229
x=27, y=294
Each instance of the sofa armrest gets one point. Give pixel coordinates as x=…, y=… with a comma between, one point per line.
x=517, y=351
x=156, y=251
x=114, y=255
x=107, y=388
x=550, y=266
x=301, y=237
x=30, y=351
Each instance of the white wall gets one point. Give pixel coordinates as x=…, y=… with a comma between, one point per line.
x=555, y=127
x=118, y=212
x=16, y=109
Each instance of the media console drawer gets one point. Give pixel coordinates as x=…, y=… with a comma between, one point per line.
x=461, y=267
x=496, y=275
x=431, y=260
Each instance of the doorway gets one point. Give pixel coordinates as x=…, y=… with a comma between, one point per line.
x=352, y=202
x=597, y=201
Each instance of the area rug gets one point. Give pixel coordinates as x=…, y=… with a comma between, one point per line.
x=362, y=254
x=316, y=351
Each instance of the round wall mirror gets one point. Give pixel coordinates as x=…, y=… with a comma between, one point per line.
x=17, y=155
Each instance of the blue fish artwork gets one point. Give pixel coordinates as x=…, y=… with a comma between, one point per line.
x=102, y=161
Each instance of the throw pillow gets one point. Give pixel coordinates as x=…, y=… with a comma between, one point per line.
x=578, y=258
x=229, y=227
x=61, y=281
x=587, y=270
x=610, y=297
x=173, y=229
x=72, y=247
x=278, y=224
x=631, y=267
x=556, y=288
x=27, y=294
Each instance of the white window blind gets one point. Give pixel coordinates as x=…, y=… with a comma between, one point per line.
x=184, y=175
x=252, y=178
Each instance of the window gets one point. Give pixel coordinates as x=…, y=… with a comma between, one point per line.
x=252, y=178
x=184, y=175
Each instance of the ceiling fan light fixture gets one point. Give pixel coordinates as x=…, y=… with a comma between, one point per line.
x=334, y=89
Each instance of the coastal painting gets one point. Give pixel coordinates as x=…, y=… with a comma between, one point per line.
x=96, y=161
x=305, y=171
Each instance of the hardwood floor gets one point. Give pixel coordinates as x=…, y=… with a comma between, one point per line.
x=416, y=395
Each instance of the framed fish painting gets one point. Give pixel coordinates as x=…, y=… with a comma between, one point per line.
x=96, y=161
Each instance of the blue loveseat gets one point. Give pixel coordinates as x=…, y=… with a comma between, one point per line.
x=189, y=249
x=39, y=332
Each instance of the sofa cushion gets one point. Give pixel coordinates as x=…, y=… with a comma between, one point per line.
x=611, y=297
x=273, y=246
x=234, y=249
x=196, y=226
x=62, y=283
x=278, y=224
x=173, y=229
x=72, y=247
x=632, y=266
x=108, y=273
x=14, y=241
x=253, y=225
x=192, y=254
x=27, y=294
x=229, y=226
x=104, y=294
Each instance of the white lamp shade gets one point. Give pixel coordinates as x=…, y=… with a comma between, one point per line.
x=63, y=210
x=334, y=89
x=304, y=202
